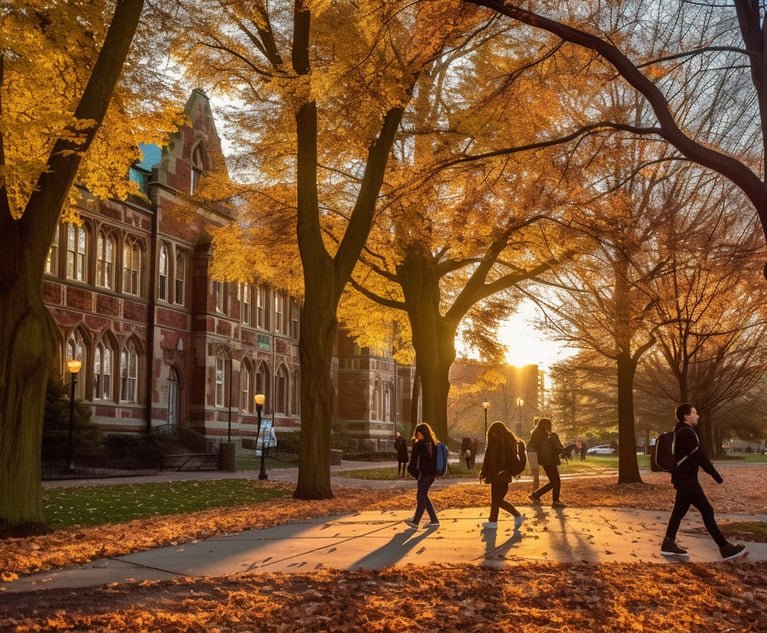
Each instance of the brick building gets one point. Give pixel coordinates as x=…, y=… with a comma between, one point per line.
x=161, y=342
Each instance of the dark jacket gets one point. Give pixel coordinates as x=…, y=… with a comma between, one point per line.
x=687, y=440
x=423, y=459
x=496, y=458
x=400, y=445
x=547, y=446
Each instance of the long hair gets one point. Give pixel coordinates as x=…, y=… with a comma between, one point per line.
x=499, y=438
x=424, y=429
x=499, y=431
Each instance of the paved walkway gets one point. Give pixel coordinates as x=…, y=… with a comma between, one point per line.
x=379, y=539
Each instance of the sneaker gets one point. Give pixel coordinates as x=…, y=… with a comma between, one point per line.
x=432, y=524
x=534, y=500
x=669, y=548
x=412, y=524
x=732, y=551
x=518, y=521
x=490, y=525
x=558, y=504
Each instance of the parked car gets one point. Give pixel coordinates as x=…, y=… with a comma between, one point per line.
x=602, y=449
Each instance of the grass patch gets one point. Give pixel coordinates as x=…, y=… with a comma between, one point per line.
x=459, y=471
x=754, y=531
x=248, y=460
x=455, y=471
x=99, y=505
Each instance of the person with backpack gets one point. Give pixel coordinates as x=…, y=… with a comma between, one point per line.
x=504, y=459
x=400, y=445
x=423, y=466
x=689, y=456
x=548, y=448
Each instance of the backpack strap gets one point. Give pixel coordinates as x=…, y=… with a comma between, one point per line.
x=697, y=446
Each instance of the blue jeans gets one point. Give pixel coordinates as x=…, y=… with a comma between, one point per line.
x=422, y=499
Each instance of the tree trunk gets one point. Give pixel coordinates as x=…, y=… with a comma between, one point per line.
x=325, y=276
x=28, y=335
x=628, y=466
x=27, y=354
x=318, y=335
x=433, y=338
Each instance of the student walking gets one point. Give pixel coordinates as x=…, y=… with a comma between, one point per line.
x=548, y=448
x=689, y=456
x=400, y=445
x=423, y=466
x=500, y=457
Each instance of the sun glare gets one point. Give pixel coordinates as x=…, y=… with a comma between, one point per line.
x=526, y=345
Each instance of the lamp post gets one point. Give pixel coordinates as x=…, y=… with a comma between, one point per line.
x=73, y=366
x=260, y=399
x=485, y=405
x=520, y=404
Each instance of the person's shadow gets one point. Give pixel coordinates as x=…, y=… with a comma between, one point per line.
x=393, y=551
x=495, y=552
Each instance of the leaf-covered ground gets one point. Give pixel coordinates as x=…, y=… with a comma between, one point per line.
x=526, y=597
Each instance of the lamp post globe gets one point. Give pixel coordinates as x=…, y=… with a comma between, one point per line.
x=73, y=365
x=260, y=398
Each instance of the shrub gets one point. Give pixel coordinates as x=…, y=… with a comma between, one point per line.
x=87, y=438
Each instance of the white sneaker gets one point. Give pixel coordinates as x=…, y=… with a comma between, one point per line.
x=432, y=524
x=518, y=520
x=490, y=525
x=411, y=524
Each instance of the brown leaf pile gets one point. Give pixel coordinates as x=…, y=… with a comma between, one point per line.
x=529, y=597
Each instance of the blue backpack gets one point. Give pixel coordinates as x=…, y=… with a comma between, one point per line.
x=441, y=461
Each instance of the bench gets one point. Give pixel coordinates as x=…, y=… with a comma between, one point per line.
x=190, y=461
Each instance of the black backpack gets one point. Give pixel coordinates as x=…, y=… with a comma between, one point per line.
x=664, y=451
x=517, y=458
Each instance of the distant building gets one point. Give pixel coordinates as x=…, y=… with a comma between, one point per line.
x=162, y=342
x=517, y=401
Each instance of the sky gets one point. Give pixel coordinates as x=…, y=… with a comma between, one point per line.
x=525, y=344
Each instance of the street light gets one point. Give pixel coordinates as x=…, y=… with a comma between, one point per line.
x=260, y=399
x=485, y=405
x=520, y=404
x=73, y=366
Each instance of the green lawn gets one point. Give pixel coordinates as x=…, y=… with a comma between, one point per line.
x=248, y=460
x=459, y=470
x=97, y=505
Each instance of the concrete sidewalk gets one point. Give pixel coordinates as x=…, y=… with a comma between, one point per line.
x=379, y=539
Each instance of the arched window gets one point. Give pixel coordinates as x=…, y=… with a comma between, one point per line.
x=105, y=259
x=377, y=400
x=387, y=402
x=103, y=362
x=281, y=386
x=295, y=390
x=129, y=373
x=162, y=288
x=132, y=255
x=246, y=399
x=180, y=273
x=173, y=396
x=75, y=350
x=199, y=166
x=245, y=303
x=262, y=309
x=263, y=383
x=77, y=251
x=52, y=261
x=280, y=312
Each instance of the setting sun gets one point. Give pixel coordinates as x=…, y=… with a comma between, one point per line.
x=527, y=345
